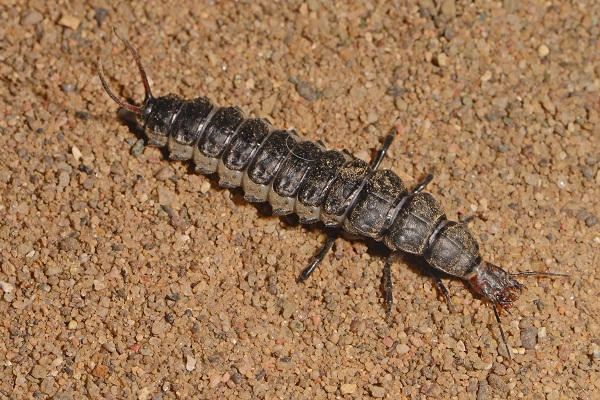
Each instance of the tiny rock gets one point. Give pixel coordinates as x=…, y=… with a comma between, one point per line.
x=348, y=388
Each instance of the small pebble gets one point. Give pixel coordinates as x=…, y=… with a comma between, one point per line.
x=400, y=104
x=69, y=21
x=307, y=91
x=138, y=148
x=83, y=115
x=158, y=327
x=348, y=388
x=362, y=155
x=591, y=221
x=69, y=244
x=31, y=17
x=529, y=337
x=487, y=75
x=296, y=326
x=595, y=351
x=542, y=332
x=38, y=372
x=448, y=8
x=24, y=248
x=190, y=363
x=268, y=104
x=402, y=349
x=76, y=153
x=214, y=380
x=67, y=87
x=100, y=14
x=110, y=346
x=377, y=391
x=441, y=60
x=164, y=173
x=480, y=365
x=116, y=168
x=6, y=287
x=543, y=50
x=498, y=384
x=564, y=351
x=205, y=187
x=100, y=370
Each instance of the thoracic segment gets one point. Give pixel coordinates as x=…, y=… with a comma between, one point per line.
x=302, y=177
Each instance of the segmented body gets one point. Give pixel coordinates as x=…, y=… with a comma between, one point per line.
x=317, y=184
x=302, y=177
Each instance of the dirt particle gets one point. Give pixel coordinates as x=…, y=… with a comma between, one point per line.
x=190, y=363
x=307, y=91
x=448, y=8
x=348, y=388
x=69, y=21
x=31, y=17
x=38, y=372
x=70, y=244
x=564, y=351
x=498, y=384
x=591, y=221
x=138, y=148
x=117, y=168
x=529, y=337
x=165, y=173
x=100, y=370
x=543, y=50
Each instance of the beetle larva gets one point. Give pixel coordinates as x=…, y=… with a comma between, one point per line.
x=347, y=195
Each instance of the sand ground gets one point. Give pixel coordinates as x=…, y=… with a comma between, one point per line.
x=125, y=275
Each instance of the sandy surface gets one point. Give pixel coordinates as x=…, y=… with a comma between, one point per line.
x=127, y=276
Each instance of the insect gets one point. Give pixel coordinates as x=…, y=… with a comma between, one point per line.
x=347, y=195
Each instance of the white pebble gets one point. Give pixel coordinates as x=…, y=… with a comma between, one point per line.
x=542, y=332
x=6, y=287
x=205, y=187
x=190, y=363
x=77, y=153
x=543, y=50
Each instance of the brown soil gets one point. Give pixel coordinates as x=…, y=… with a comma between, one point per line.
x=127, y=276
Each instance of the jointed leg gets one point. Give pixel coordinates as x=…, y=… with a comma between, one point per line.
x=422, y=185
x=443, y=289
x=383, y=151
x=317, y=258
x=388, y=287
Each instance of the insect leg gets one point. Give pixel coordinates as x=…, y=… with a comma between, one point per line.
x=422, y=185
x=387, y=287
x=442, y=288
x=383, y=151
x=317, y=258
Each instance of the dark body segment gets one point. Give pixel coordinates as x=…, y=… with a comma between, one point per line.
x=316, y=184
x=373, y=211
x=344, y=191
x=415, y=223
x=218, y=129
x=246, y=141
x=300, y=160
x=454, y=250
x=159, y=118
x=238, y=154
x=265, y=165
x=187, y=127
